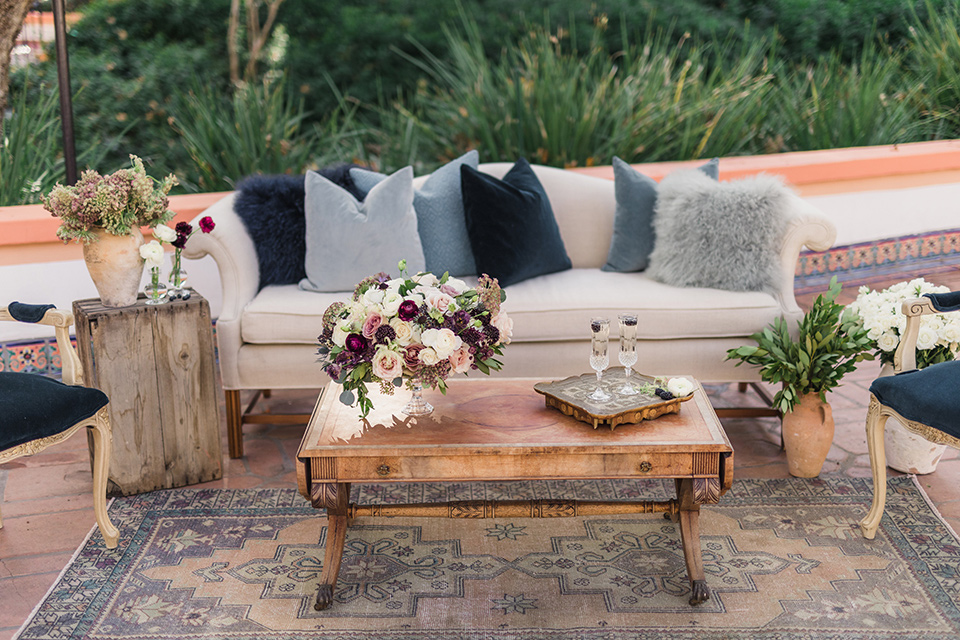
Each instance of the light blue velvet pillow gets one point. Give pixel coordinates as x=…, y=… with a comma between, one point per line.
x=348, y=240
x=633, y=235
x=440, y=217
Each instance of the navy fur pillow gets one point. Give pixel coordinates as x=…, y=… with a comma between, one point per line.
x=271, y=208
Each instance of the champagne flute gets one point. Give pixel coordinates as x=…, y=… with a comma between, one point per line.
x=628, y=351
x=599, y=359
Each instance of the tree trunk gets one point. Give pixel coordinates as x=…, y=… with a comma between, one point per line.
x=12, y=15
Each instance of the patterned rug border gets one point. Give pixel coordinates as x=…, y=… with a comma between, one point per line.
x=900, y=522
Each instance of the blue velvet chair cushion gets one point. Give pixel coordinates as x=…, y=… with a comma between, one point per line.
x=33, y=406
x=944, y=302
x=28, y=312
x=930, y=396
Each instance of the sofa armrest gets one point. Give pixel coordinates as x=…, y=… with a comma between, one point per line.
x=236, y=256
x=808, y=227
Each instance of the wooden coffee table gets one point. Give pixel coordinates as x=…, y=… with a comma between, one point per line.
x=500, y=429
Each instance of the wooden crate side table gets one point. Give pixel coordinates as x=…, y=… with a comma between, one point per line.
x=156, y=365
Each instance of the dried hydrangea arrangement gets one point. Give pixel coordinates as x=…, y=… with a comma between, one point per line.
x=116, y=202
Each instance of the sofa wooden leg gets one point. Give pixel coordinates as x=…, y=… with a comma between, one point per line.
x=234, y=423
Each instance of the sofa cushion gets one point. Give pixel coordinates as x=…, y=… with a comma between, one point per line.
x=348, y=240
x=544, y=309
x=723, y=235
x=271, y=208
x=512, y=230
x=440, y=218
x=633, y=235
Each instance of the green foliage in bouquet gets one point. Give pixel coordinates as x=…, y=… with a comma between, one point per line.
x=116, y=203
x=828, y=347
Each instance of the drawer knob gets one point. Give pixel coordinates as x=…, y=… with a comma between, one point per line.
x=645, y=466
x=383, y=470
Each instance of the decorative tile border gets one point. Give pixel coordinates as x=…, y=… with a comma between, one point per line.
x=907, y=257
x=43, y=356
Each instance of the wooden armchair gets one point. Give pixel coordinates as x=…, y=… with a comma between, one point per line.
x=927, y=401
x=36, y=411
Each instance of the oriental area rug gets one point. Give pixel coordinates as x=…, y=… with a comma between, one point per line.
x=783, y=558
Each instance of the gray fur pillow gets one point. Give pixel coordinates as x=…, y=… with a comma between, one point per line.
x=721, y=235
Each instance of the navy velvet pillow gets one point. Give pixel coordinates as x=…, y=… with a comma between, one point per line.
x=32, y=406
x=926, y=395
x=512, y=229
x=271, y=208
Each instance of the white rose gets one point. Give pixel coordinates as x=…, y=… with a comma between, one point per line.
x=404, y=331
x=875, y=332
x=428, y=357
x=340, y=332
x=951, y=332
x=443, y=341
x=926, y=338
x=163, y=233
x=458, y=285
x=373, y=296
x=152, y=252
x=425, y=279
x=391, y=303
x=503, y=324
x=888, y=341
x=679, y=387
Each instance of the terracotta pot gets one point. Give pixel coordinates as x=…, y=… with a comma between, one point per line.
x=807, y=436
x=906, y=451
x=115, y=266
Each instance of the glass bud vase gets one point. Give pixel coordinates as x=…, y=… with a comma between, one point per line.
x=417, y=405
x=156, y=290
x=177, y=279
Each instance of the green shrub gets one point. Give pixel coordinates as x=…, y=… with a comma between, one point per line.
x=935, y=62
x=31, y=150
x=558, y=105
x=259, y=129
x=830, y=104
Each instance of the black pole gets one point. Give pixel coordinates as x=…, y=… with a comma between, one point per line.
x=63, y=84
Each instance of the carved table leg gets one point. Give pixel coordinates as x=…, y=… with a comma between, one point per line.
x=691, y=493
x=334, y=498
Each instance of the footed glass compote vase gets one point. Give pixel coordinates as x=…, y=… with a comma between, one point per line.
x=417, y=405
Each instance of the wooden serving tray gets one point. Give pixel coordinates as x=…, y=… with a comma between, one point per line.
x=571, y=396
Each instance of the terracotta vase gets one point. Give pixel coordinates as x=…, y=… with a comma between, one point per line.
x=115, y=266
x=807, y=436
x=906, y=451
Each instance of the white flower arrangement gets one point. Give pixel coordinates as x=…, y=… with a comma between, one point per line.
x=879, y=313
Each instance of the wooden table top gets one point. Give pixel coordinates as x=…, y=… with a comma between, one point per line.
x=496, y=416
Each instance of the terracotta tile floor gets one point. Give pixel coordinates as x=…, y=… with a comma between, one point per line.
x=47, y=508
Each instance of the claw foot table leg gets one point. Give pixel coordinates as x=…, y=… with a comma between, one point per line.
x=334, y=498
x=690, y=534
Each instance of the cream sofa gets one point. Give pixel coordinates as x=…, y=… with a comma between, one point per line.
x=266, y=338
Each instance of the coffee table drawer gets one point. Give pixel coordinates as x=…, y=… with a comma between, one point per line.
x=514, y=467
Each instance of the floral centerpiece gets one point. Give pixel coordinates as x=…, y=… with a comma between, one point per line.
x=116, y=203
x=178, y=239
x=419, y=329
x=879, y=313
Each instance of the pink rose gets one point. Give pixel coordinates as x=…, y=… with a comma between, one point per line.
x=461, y=360
x=504, y=325
x=387, y=364
x=439, y=301
x=371, y=324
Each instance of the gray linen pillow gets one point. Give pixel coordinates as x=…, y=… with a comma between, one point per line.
x=348, y=240
x=721, y=235
x=440, y=216
x=633, y=237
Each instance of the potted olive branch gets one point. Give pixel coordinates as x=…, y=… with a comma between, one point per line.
x=828, y=346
